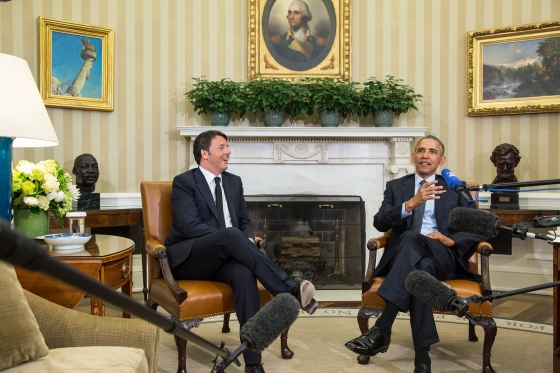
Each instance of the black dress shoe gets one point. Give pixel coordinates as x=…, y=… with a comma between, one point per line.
x=422, y=368
x=370, y=343
x=254, y=368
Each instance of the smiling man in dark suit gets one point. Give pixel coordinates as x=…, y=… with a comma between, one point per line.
x=212, y=239
x=416, y=208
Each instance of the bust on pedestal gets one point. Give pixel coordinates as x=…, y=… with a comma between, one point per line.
x=505, y=157
x=86, y=170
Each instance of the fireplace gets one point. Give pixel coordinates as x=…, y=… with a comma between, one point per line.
x=316, y=162
x=315, y=238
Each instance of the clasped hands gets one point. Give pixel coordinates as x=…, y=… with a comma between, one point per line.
x=427, y=192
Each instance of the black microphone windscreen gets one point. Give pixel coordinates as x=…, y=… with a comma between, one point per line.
x=429, y=289
x=484, y=223
x=267, y=324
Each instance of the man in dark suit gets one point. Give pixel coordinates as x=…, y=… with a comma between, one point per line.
x=416, y=209
x=212, y=239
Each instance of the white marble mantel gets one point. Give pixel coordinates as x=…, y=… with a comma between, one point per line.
x=347, y=161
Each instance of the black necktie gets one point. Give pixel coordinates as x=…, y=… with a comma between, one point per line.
x=418, y=215
x=220, y=204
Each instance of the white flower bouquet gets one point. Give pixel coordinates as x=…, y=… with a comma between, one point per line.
x=43, y=186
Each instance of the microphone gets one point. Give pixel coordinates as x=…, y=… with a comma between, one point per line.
x=457, y=185
x=259, y=332
x=484, y=223
x=437, y=294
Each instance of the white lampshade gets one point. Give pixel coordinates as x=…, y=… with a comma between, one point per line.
x=23, y=115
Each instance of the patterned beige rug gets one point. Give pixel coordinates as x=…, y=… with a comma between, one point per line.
x=318, y=345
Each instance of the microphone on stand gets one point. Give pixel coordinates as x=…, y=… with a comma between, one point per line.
x=437, y=294
x=264, y=327
x=484, y=223
x=257, y=333
x=457, y=185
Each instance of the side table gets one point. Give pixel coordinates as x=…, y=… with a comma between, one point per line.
x=106, y=258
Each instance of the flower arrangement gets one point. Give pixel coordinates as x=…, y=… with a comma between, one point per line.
x=43, y=186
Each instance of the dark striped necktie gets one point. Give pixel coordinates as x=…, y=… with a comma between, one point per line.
x=220, y=204
x=418, y=215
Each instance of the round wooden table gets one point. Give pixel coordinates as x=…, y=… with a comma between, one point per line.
x=106, y=258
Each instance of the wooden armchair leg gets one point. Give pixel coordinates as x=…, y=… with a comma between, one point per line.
x=363, y=322
x=182, y=352
x=284, y=349
x=472, y=333
x=225, y=326
x=490, y=331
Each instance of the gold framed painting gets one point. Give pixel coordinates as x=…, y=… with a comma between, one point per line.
x=514, y=70
x=76, y=65
x=296, y=39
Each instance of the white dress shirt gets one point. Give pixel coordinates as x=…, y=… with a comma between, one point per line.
x=209, y=176
x=429, y=223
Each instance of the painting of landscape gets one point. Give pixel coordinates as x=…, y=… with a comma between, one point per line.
x=521, y=69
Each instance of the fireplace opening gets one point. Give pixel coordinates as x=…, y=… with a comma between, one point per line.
x=315, y=238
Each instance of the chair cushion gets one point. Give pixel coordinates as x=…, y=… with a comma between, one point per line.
x=87, y=359
x=464, y=289
x=20, y=337
x=206, y=298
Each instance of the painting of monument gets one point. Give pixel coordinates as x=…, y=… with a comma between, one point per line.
x=75, y=71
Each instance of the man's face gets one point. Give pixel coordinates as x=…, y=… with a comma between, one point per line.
x=86, y=171
x=216, y=158
x=295, y=17
x=427, y=157
x=505, y=163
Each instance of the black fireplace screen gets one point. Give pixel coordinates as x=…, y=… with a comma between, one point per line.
x=316, y=238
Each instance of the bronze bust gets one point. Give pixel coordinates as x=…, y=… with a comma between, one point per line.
x=86, y=170
x=505, y=157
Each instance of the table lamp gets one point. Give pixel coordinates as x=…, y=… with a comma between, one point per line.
x=24, y=121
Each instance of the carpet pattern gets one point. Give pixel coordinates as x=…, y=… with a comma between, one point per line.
x=318, y=345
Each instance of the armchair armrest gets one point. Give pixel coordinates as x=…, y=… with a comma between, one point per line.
x=159, y=251
x=63, y=327
x=485, y=250
x=373, y=245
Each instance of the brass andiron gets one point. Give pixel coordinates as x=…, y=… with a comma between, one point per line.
x=265, y=230
x=337, y=271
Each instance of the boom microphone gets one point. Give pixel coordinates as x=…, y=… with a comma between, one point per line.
x=457, y=185
x=258, y=332
x=437, y=294
x=483, y=223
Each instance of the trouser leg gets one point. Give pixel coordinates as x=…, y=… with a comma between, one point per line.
x=246, y=297
x=415, y=251
x=212, y=251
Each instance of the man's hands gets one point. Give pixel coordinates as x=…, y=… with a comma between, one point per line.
x=426, y=192
x=443, y=239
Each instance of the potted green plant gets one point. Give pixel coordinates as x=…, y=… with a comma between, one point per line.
x=217, y=98
x=274, y=98
x=333, y=99
x=387, y=99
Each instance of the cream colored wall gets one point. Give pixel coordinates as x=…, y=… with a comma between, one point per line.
x=161, y=44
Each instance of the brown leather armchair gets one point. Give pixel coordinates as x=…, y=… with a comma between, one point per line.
x=373, y=304
x=187, y=301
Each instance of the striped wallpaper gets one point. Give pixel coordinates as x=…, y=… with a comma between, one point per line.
x=161, y=44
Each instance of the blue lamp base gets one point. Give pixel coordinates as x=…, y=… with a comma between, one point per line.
x=6, y=178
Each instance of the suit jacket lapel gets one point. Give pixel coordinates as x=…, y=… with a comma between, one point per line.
x=407, y=192
x=228, y=190
x=204, y=189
